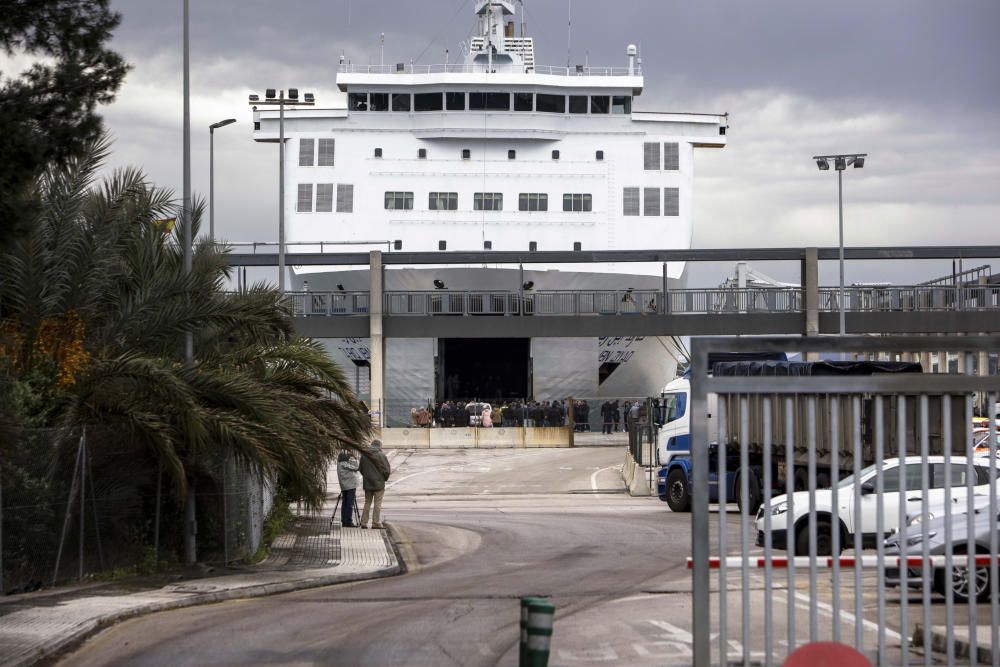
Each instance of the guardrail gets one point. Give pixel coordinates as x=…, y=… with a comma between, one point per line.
x=646, y=302
x=465, y=68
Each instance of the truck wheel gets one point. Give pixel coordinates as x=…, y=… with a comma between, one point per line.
x=754, y=493
x=677, y=491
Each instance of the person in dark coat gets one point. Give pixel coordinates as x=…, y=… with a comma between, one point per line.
x=616, y=415
x=606, y=417
x=374, y=473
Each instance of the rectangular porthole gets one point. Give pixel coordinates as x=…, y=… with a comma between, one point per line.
x=442, y=201
x=428, y=102
x=307, y=150
x=455, y=101
x=488, y=201
x=524, y=102
x=511, y=154
x=357, y=101
x=399, y=201
x=550, y=103
x=630, y=201
x=378, y=102
x=578, y=104
x=324, y=197
x=533, y=201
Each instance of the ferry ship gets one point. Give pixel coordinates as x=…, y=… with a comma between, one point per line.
x=495, y=153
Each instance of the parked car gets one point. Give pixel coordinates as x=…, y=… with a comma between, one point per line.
x=936, y=531
x=785, y=527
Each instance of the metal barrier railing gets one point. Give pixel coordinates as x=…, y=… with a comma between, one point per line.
x=647, y=302
x=895, y=452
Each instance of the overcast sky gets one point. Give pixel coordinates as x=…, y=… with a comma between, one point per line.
x=914, y=83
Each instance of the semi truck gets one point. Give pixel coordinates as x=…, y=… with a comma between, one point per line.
x=674, y=480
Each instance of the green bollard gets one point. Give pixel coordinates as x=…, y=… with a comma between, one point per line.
x=526, y=602
x=541, y=614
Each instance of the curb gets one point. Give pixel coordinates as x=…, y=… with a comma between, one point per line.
x=939, y=644
x=91, y=627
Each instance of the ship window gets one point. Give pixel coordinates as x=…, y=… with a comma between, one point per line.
x=326, y=152
x=532, y=246
x=422, y=153
x=345, y=198
x=671, y=160
x=443, y=201
x=442, y=245
x=489, y=101
x=399, y=201
x=621, y=104
x=671, y=201
x=651, y=156
x=306, y=149
x=466, y=154
x=455, y=101
x=488, y=201
x=650, y=201
x=578, y=104
x=524, y=102
x=358, y=101
x=400, y=101
x=630, y=201
x=599, y=155
x=304, y=202
x=378, y=102
x=555, y=155
x=511, y=154
x=577, y=246
x=550, y=103
x=577, y=202
x=487, y=245
x=600, y=104
x=378, y=152
x=324, y=198
x=256, y=125
x=533, y=201
x=427, y=102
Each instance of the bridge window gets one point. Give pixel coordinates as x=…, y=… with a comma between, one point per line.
x=550, y=103
x=533, y=201
x=651, y=156
x=621, y=105
x=630, y=201
x=600, y=104
x=428, y=102
x=400, y=101
x=443, y=201
x=307, y=148
x=399, y=201
x=488, y=201
x=345, y=198
x=357, y=101
x=378, y=102
x=454, y=101
x=489, y=101
x=578, y=104
x=650, y=201
x=671, y=157
x=577, y=202
x=324, y=198
x=671, y=201
x=304, y=201
x=326, y=152
x=524, y=102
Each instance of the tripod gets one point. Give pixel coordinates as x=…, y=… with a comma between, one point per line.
x=357, y=513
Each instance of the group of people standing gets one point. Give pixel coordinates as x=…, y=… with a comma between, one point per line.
x=370, y=472
x=613, y=414
x=460, y=414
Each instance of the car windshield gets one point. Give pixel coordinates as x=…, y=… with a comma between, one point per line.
x=849, y=480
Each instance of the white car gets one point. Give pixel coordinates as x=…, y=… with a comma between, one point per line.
x=786, y=526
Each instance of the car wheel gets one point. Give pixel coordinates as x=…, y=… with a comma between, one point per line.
x=824, y=538
x=678, y=497
x=964, y=586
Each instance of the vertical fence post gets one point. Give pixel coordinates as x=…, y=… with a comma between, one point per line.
x=1, y=531
x=93, y=506
x=69, y=506
x=83, y=498
x=225, y=514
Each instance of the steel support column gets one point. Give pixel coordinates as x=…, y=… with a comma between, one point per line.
x=377, y=344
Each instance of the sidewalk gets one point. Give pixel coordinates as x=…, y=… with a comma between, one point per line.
x=960, y=638
x=34, y=626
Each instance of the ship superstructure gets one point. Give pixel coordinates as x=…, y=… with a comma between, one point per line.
x=495, y=152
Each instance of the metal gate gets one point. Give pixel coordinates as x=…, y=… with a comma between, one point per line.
x=881, y=560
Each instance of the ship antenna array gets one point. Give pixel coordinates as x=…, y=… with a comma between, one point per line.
x=569, y=31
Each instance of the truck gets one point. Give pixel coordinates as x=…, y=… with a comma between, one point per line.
x=674, y=478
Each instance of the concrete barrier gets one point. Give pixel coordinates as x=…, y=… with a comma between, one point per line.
x=635, y=477
x=469, y=438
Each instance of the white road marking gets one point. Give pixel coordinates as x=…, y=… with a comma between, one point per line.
x=603, y=653
x=672, y=632
x=593, y=477
x=565, y=467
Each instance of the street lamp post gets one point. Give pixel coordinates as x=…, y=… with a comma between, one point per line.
x=840, y=163
x=211, y=174
x=279, y=99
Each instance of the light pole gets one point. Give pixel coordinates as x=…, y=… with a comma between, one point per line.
x=270, y=98
x=840, y=163
x=211, y=174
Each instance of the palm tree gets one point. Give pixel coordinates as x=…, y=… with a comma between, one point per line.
x=96, y=303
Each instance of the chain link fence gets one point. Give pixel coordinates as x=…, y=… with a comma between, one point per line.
x=80, y=504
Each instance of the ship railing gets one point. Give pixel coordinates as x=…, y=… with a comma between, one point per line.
x=645, y=302
x=467, y=68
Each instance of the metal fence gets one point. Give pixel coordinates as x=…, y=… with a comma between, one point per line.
x=904, y=542
x=444, y=302
x=85, y=503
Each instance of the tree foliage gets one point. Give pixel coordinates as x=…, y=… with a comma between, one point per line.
x=97, y=303
x=47, y=111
